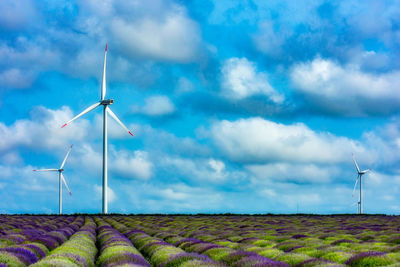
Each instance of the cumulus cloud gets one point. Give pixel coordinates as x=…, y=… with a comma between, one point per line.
x=157, y=29
x=256, y=140
x=346, y=89
x=162, y=32
x=178, y=197
x=20, y=13
x=99, y=192
x=301, y=173
x=132, y=165
x=21, y=63
x=122, y=163
x=173, y=38
x=156, y=106
x=270, y=40
x=240, y=79
x=198, y=170
x=14, y=78
x=43, y=130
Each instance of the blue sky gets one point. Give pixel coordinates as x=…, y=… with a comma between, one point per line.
x=236, y=106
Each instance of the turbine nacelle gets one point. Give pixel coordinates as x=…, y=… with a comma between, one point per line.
x=107, y=102
x=364, y=172
x=60, y=170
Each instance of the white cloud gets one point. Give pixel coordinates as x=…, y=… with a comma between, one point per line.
x=132, y=165
x=43, y=130
x=10, y=158
x=346, y=89
x=170, y=193
x=217, y=165
x=156, y=106
x=303, y=173
x=122, y=163
x=181, y=198
x=256, y=140
x=240, y=79
x=99, y=192
x=155, y=29
x=270, y=40
x=20, y=13
x=22, y=63
x=199, y=170
x=175, y=37
x=152, y=31
x=16, y=78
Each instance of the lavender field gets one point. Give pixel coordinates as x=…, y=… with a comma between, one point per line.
x=199, y=240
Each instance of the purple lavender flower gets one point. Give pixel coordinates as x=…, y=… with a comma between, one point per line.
x=125, y=258
x=362, y=255
x=341, y=241
x=258, y=261
x=25, y=255
x=312, y=262
x=37, y=249
x=184, y=256
x=299, y=236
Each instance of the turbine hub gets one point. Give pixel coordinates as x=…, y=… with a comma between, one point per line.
x=106, y=102
x=61, y=170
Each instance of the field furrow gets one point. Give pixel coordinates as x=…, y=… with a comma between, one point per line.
x=201, y=240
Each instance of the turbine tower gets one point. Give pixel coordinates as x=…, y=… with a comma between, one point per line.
x=359, y=176
x=105, y=103
x=60, y=177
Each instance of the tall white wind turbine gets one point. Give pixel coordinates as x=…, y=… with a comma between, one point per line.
x=105, y=103
x=359, y=176
x=60, y=177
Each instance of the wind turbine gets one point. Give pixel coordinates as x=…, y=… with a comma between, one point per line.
x=105, y=103
x=60, y=177
x=359, y=176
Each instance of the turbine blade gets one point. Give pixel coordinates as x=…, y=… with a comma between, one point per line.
x=82, y=113
x=65, y=183
x=103, y=85
x=355, y=163
x=66, y=156
x=117, y=120
x=46, y=170
x=355, y=185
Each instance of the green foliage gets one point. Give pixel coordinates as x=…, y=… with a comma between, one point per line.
x=113, y=251
x=218, y=253
x=338, y=256
x=164, y=253
x=373, y=261
x=56, y=262
x=292, y=258
x=10, y=260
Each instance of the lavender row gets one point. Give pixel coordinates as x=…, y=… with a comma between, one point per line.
x=115, y=248
x=31, y=245
x=161, y=253
x=31, y=231
x=220, y=253
x=79, y=250
x=277, y=241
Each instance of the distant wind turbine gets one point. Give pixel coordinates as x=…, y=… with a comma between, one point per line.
x=60, y=177
x=359, y=175
x=105, y=103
